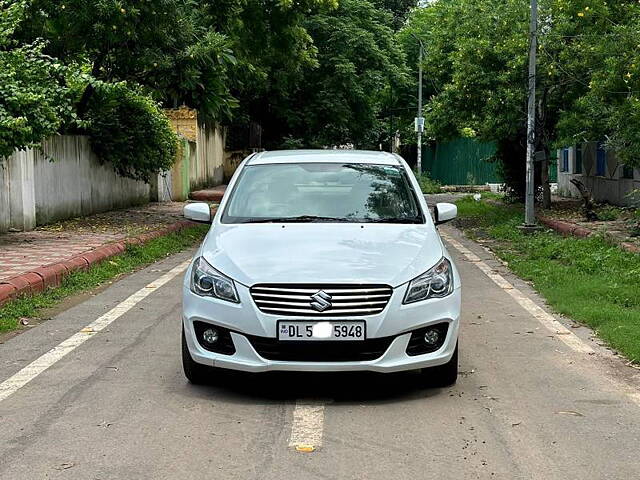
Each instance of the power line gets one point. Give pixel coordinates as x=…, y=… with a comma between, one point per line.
x=589, y=35
x=559, y=66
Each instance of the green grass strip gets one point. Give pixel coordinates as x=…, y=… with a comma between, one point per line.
x=133, y=258
x=587, y=279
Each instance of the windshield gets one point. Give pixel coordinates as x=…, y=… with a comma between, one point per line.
x=329, y=192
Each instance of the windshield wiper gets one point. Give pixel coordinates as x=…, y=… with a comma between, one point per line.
x=396, y=220
x=298, y=219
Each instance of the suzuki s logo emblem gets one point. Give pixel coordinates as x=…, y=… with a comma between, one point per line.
x=321, y=301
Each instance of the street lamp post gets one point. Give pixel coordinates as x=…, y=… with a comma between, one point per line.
x=420, y=121
x=529, y=210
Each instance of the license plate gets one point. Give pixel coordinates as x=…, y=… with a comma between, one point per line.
x=313, y=331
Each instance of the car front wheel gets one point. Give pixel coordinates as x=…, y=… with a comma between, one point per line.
x=442, y=375
x=195, y=372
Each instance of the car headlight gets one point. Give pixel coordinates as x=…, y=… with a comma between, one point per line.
x=435, y=283
x=206, y=281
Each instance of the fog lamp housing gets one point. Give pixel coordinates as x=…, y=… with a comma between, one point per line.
x=210, y=336
x=427, y=339
x=213, y=338
x=432, y=337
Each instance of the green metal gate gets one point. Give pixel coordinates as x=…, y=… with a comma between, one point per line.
x=463, y=161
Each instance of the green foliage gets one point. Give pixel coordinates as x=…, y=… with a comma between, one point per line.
x=427, y=184
x=588, y=280
x=272, y=48
x=32, y=103
x=159, y=44
x=476, y=70
x=588, y=84
x=342, y=100
x=608, y=213
x=199, y=78
x=128, y=130
x=312, y=72
x=609, y=106
x=475, y=64
x=12, y=13
x=399, y=10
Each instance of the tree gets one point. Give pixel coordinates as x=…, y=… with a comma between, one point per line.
x=272, y=47
x=158, y=44
x=399, y=9
x=309, y=71
x=33, y=100
x=343, y=99
x=32, y=103
x=476, y=66
x=606, y=61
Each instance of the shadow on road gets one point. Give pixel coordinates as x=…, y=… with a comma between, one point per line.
x=347, y=387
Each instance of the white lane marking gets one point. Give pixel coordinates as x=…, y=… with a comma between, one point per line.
x=306, y=430
x=545, y=318
x=35, y=368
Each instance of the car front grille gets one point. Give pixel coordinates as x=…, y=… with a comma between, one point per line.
x=312, y=300
x=320, y=351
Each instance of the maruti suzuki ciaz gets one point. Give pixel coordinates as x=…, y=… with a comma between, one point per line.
x=322, y=261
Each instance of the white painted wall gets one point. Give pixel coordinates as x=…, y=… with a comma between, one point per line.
x=62, y=180
x=208, y=169
x=71, y=182
x=611, y=188
x=5, y=205
x=17, y=202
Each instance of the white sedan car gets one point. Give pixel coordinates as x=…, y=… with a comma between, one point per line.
x=322, y=261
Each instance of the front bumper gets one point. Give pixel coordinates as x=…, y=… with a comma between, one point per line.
x=397, y=321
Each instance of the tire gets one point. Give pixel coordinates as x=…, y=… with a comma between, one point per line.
x=442, y=375
x=196, y=373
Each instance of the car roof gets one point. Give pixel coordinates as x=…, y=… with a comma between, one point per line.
x=324, y=156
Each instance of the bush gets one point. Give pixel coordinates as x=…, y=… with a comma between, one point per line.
x=128, y=130
x=33, y=101
x=608, y=213
x=427, y=184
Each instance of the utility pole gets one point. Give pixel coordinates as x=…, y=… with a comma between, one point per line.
x=529, y=210
x=419, y=119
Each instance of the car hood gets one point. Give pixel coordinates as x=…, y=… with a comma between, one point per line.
x=322, y=253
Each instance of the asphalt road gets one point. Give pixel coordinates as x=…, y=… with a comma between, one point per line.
x=533, y=401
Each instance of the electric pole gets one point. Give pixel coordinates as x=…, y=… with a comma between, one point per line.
x=419, y=119
x=529, y=210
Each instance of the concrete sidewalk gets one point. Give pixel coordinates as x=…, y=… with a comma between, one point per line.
x=32, y=261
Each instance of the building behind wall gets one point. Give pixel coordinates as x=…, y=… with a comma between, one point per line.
x=599, y=170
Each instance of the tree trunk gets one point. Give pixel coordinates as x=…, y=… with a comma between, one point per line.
x=542, y=144
x=546, y=188
x=588, y=205
x=83, y=104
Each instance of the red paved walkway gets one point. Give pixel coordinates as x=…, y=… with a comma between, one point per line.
x=24, y=251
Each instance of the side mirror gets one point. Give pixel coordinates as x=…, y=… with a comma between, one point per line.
x=198, y=212
x=443, y=212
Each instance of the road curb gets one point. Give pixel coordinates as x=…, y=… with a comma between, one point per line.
x=51, y=275
x=571, y=229
x=565, y=228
